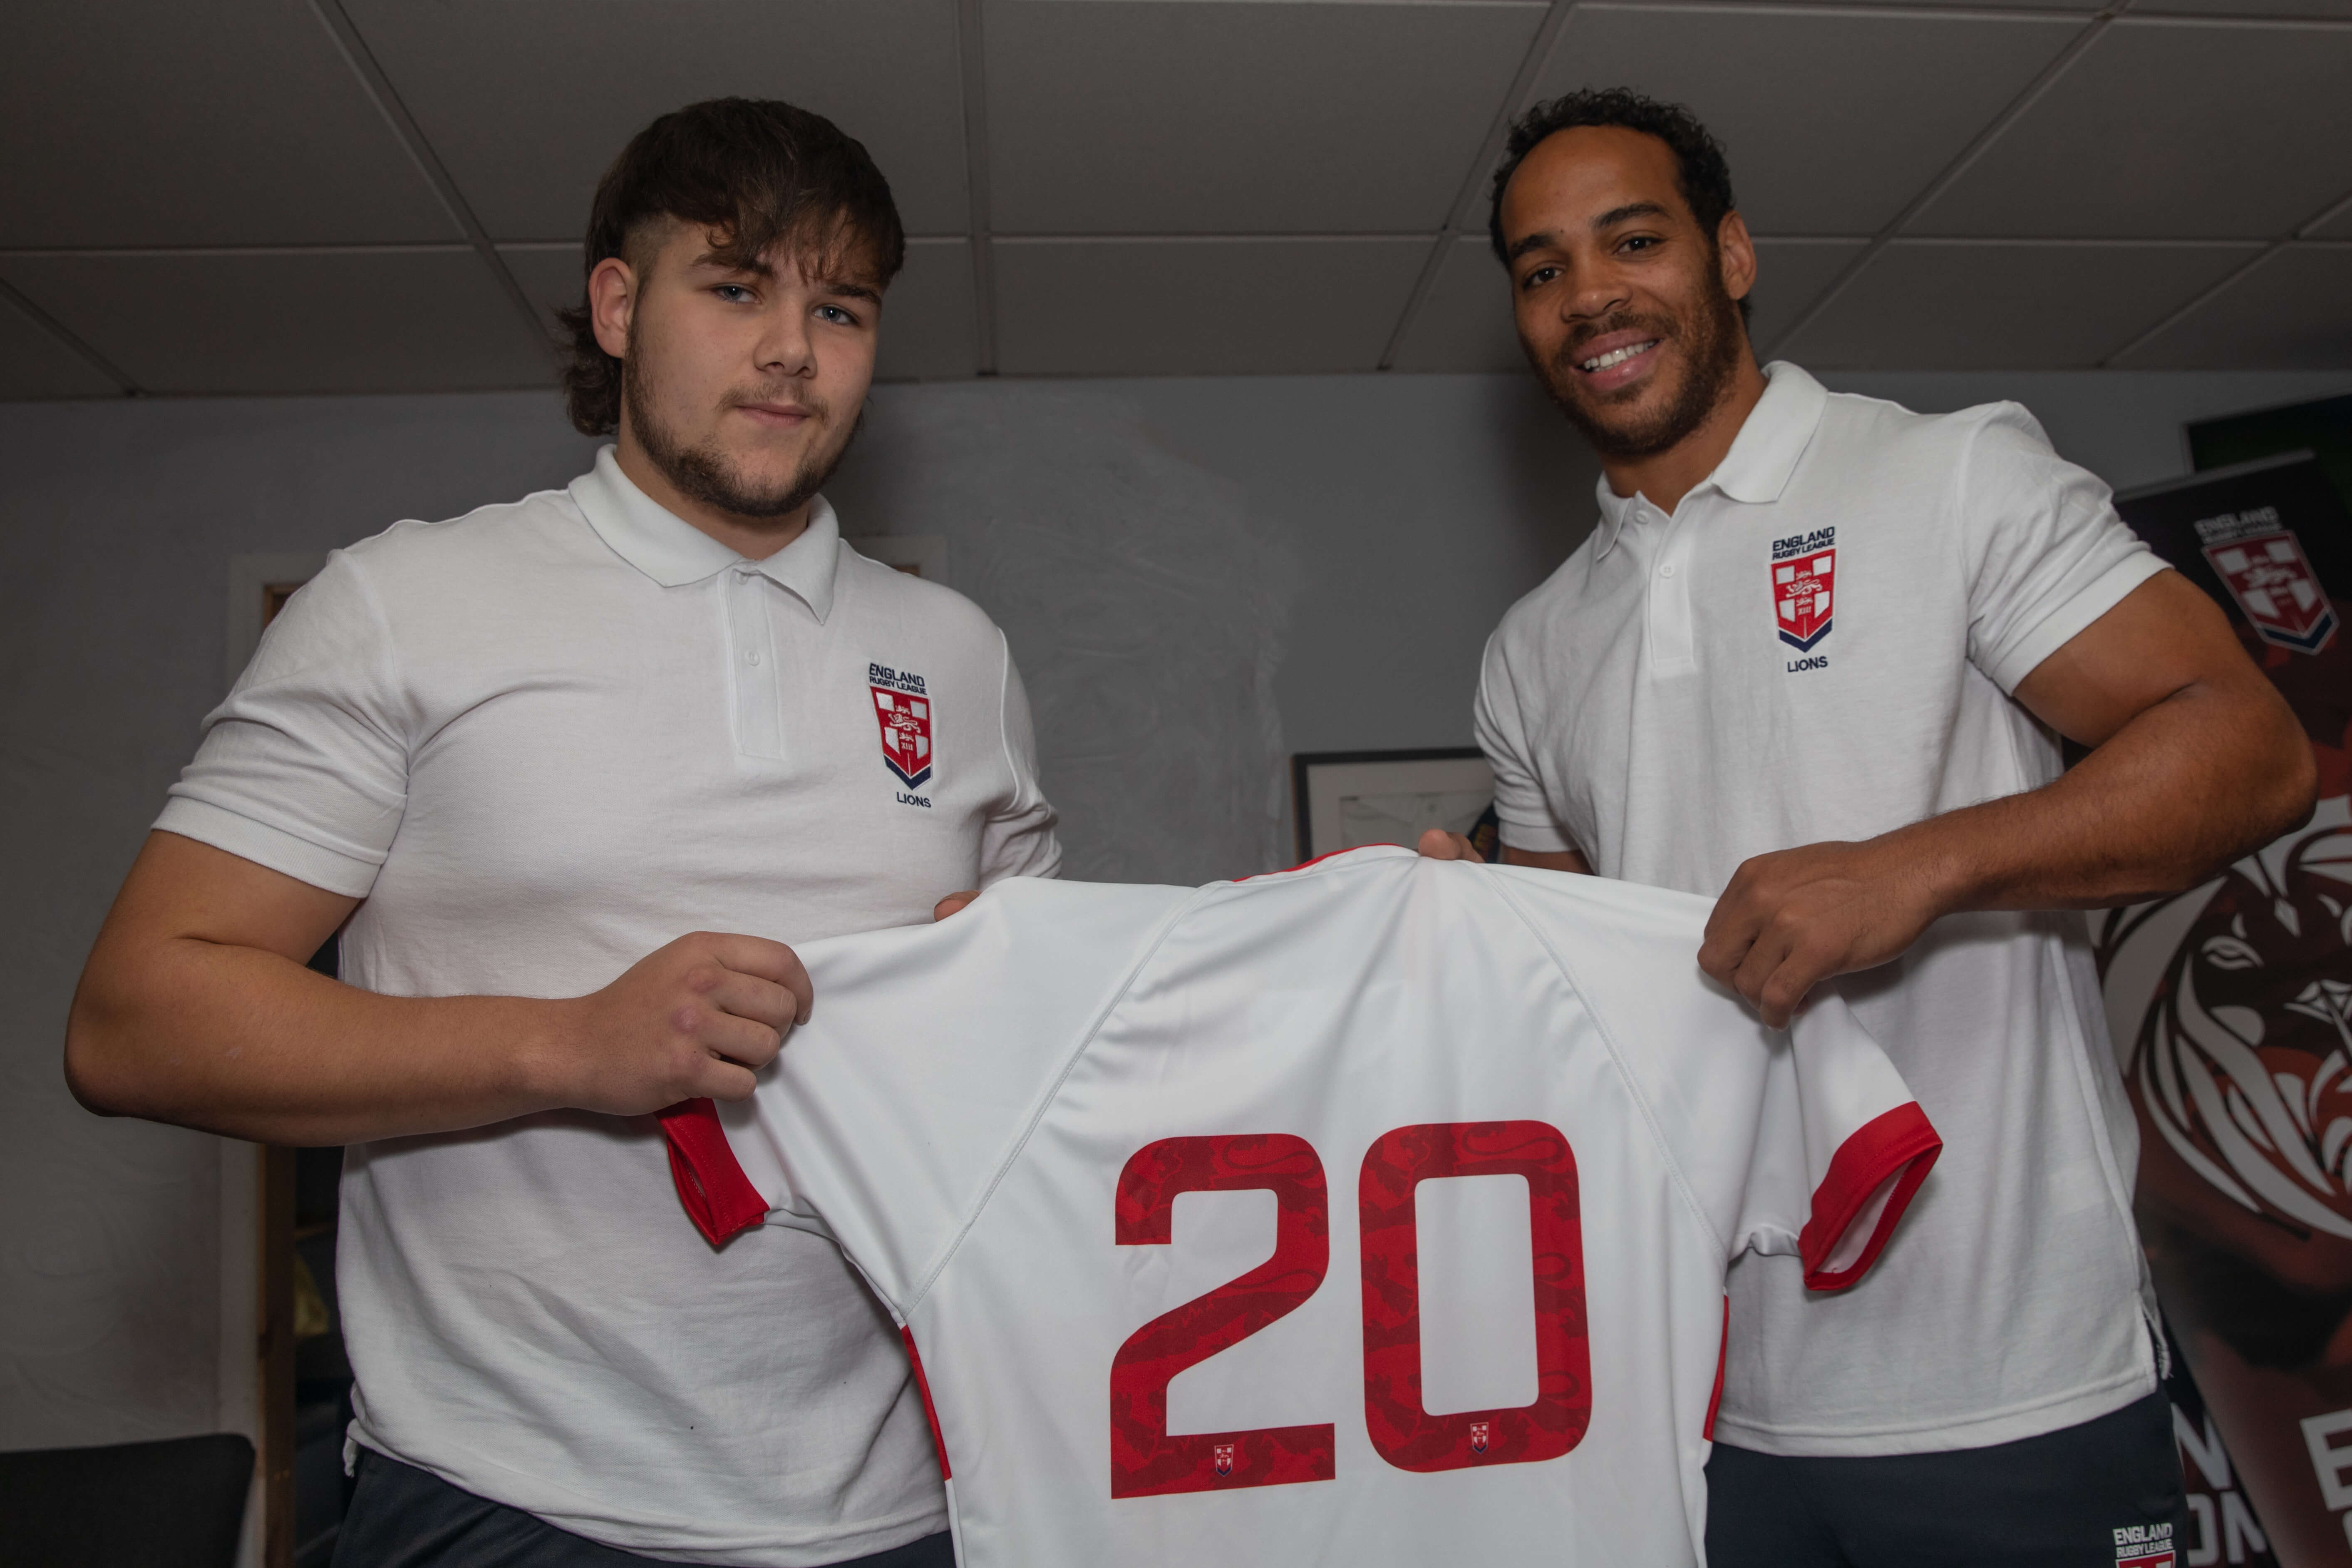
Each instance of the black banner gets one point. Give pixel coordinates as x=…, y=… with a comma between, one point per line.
x=2232, y=1010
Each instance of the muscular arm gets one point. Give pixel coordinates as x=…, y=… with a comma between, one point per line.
x=2195, y=760
x=196, y=1007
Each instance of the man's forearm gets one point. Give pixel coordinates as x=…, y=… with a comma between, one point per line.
x=2161, y=804
x=246, y=1043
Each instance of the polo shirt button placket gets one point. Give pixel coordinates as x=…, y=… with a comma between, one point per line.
x=1670, y=635
x=758, y=701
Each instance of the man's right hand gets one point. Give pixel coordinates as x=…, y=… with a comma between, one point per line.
x=1439, y=845
x=696, y=1018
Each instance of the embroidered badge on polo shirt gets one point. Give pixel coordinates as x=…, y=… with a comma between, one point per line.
x=1804, y=578
x=902, y=707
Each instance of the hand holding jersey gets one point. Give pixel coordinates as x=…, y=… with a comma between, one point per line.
x=1000, y=1118
x=696, y=1017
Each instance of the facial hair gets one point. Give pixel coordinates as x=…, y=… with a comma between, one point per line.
x=706, y=474
x=1713, y=343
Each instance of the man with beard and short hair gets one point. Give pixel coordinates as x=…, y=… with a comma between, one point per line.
x=569, y=775
x=1816, y=660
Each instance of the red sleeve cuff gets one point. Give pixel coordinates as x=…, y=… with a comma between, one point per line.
x=719, y=1197
x=1900, y=1147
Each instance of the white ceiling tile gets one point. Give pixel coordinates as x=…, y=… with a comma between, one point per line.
x=1157, y=117
x=145, y=122
x=2338, y=9
x=1465, y=323
x=1789, y=276
x=2083, y=7
x=289, y=322
x=553, y=277
x=529, y=102
x=2170, y=130
x=928, y=329
x=1832, y=121
x=2336, y=224
x=1990, y=305
x=1200, y=307
x=35, y=365
x=2293, y=311
x=928, y=333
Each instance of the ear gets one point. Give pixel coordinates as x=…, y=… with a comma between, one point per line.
x=1736, y=253
x=611, y=303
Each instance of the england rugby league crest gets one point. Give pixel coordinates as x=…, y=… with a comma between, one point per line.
x=1805, y=584
x=1222, y=1454
x=902, y=706
x=2271, y=580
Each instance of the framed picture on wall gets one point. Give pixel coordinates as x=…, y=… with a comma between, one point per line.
x=1343, y=800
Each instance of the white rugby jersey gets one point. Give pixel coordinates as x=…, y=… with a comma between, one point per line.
x=1372, y=1212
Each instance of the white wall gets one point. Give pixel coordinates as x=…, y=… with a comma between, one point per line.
x=1198, y=577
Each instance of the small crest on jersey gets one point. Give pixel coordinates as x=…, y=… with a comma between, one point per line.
x=902, y=706
x=2144, y=1546
x=1223, y=1453
x=2273, y=583
x=1804, y=582
x=1478, y=1431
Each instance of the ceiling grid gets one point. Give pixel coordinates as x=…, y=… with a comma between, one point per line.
x=1473, y=179
x=387, y=100
x=972, y=49
x=351, y=196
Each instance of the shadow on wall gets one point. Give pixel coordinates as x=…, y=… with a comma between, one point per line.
x=1146, y=614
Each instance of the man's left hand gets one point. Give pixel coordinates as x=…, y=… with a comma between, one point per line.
x=1791, y=919
x=952, y=903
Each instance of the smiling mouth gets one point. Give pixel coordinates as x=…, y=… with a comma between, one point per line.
x=1616, y=357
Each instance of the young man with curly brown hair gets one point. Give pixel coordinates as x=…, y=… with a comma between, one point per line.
x=569, y=775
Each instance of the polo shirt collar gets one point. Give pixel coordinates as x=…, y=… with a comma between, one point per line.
x=1763, y=457
x=673, y=551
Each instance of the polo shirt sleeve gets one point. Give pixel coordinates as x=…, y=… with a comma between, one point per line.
x=304, y=769
x=1499, y=727
x=1018, y=841
x=2044, y=553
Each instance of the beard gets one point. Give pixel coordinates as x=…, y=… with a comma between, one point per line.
x=706, y=473
x=1711, y=339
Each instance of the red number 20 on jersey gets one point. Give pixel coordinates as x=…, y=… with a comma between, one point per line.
x=1146, y=1461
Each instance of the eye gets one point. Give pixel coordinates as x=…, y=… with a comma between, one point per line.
x=1640, y=242
x=2229, y=952
x=837, y=315
x=733, y=293
x=1538, y=276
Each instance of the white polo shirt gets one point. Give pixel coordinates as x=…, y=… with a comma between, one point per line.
x=541, y=740
x=1820, y=644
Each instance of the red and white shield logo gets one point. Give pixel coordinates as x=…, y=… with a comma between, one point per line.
x=906, y=723
x=1478, y=1430
x=1801, y=598
x=2276, y=586
x=1223, y=1455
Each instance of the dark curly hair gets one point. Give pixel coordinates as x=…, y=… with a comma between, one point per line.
x=1701, y=175
x=755, y=172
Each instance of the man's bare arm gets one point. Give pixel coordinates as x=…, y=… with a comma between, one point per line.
x=2196, y=760
x=195, y=1008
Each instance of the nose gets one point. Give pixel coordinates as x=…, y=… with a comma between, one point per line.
x=1596, y=296
x=786, y=348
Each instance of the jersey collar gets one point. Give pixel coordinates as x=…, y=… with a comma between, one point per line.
x=673, y=551
x=1763, y=457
